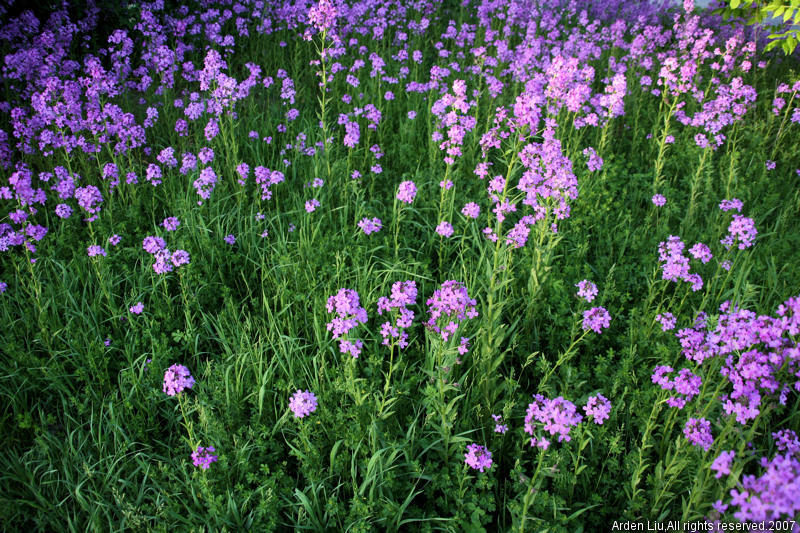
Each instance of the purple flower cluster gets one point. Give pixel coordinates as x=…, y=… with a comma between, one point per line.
x=323, y=15
x=312, y=205
x=659, y=200
x=773, y=495
x=171, y=223
x=203, y=457
x=349, y=314
x=557, y=416
x=722, y=464
x=403, y=294
x=596, y=319
x=698, y=431
x=453, y=116
x=593, y=161
x=478, y=457
x=449, y=307
x=667, y=321
x=586, y=290
x=675, y=265
x=445, y=229
x=370, y=226
x=89, y=199
x=499, y=427
x=177, y=378
x=598, y=408
x=741, y=231
x=471, y=210
x=95, y=250
x=266, y=178
x=759, y=354
x=702, y=252
x=786, y=441
x=734, y=204
x=686, y=384
x=302, y=403
x=165, y=261
x=407, y=191
x=205, y=183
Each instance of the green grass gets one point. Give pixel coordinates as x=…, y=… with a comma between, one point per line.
x=92, y=443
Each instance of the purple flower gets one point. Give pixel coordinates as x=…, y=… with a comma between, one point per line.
x=167, y=157
x=772, y=495
x=722, y=464
x=675, y=265
x=203, y=458
x=114, y=240
x=542, y=443
x=471, y=210
x=596, y=319
x=702, y=252
x=598, y=407
x=407, y=191
x=478, y=457
x=163, y=262
x=404, y=293
x=687, y=386
x=445, y=229
x=3, y=287
x=153, y=174
x=180, y=257
x=170, y=223
x=323, y=15
x=370, y=226
x=205, y=155
x=449, y=306
x=230, y=239
x=95, y=250
x=742, y=230
x=89, y=199
x=698, y=431
x=558, y=417
x=586, y=290
x=463, y=346
x=152, y=244
x=205, y=183
x=786, y=441
x=176, y=379
x=311, y=205
x=667, y=321
x=212, y=129
x=594, y=162
x=63, y=211
x=302, y=403
x=498, y=426
x=349, y=313
x=732, y=204
x=658, y=200
x=137, y=308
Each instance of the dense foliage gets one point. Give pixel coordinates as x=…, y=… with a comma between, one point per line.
x=379, y=265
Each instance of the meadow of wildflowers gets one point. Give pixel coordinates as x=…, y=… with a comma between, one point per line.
x=396, y=265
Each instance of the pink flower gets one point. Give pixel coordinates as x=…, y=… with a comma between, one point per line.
x=445, y=229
